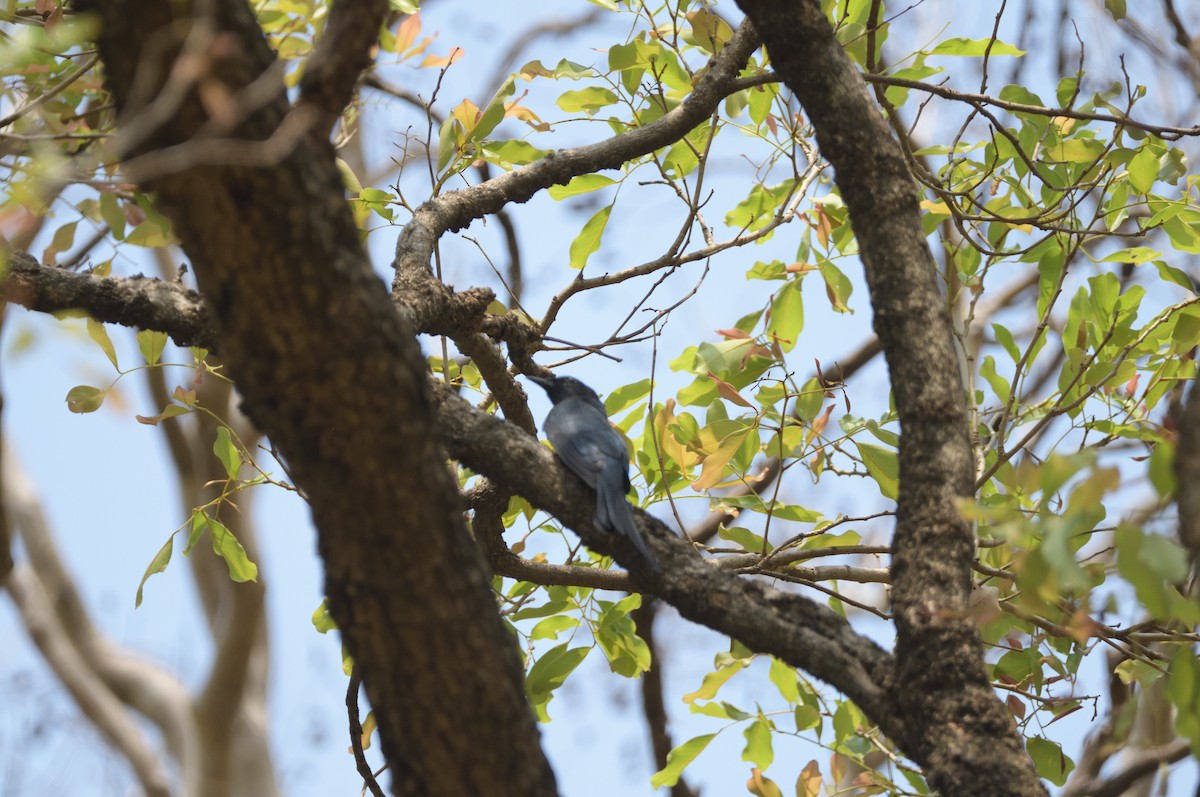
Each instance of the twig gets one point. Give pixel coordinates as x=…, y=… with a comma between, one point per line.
x=356, y=731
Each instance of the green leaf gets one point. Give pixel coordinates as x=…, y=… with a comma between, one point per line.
x=227, y=452
x=1134, y=254
x=807, y=717
x=883, y=466
x=588, y=100
x=110, y=211
x=1049, y=760
x=627, y=653
x=580, y=184
x=784, y=678
x=226, y=546
x=98, y=334
x=322, y=620
x=758, y=750
x=513, y=152
x=787, y=315
x=1117, y=9
x=84, y=398
x=157, y=565
x=588, y=240
x=998, y=383
x=63, y=238
x=151, y=344
x=678, y=759
x=837, y=286
x=974, y=48
x=494, y=113
x=447, y=143
x=1162, y=468
x=170, y=411
x=1005, y=339
x=754, y=543
x=626, y=396
x=349, y=178
x=713, y=681
x=551, y=627
x=1143, y=170
x=548, y=673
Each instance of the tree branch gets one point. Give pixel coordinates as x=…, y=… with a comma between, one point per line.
x=340, y=56
x=96, y=702
x=359, y=438
x=141, y=302
x=954, y=725
x=455, y=210
x=793, y=628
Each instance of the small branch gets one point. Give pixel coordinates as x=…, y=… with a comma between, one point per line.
x=58, y=88
x=1162, y=131
x=1137, y=766
x=356, y=733
x=455, y=210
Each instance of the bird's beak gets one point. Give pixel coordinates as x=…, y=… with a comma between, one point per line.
x=545, y=382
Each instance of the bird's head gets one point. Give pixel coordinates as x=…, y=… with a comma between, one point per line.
x=560, y=388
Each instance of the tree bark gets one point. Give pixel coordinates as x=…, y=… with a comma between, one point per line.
x=953, y=723
x=333, y=375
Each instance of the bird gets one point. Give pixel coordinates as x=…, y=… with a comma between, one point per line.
x=594, y=451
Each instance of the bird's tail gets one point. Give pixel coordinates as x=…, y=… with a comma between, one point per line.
x=613, y=513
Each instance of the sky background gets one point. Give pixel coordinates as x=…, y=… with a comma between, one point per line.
x=110, y=497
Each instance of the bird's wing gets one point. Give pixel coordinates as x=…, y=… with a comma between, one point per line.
x=584, y=440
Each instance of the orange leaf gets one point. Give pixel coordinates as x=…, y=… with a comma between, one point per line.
x=821, y=421
x=762, y=786
x=407, y=32
x=728, y=391
x=809, y=782
x=433, y=60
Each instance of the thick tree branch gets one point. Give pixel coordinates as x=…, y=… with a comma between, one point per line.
x=955, y=726
x=1187, y=472
x=457, y=209
x=793, y=628
x=96, y=702
x=332, y=373
x=341, y=55
x=139, y=684
x=142, y=302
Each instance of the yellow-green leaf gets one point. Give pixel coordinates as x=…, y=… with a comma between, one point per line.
x=588, y=240
x=581, y=184
x=151, y=343
x=98, y=334
x=226, y=546
x=758, y=749
x=84, y=398
x=883, y=466
x=678, y=759
x=974, y=48
x=227, y=452
x=157, y=565
x=322, y=620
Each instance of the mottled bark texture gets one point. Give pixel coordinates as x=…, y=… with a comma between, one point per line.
x=334, y=376
x=954, y=725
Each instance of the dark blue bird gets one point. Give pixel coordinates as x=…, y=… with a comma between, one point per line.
x=595, y=452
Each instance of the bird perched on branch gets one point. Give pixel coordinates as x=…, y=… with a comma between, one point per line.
x=595, y=452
